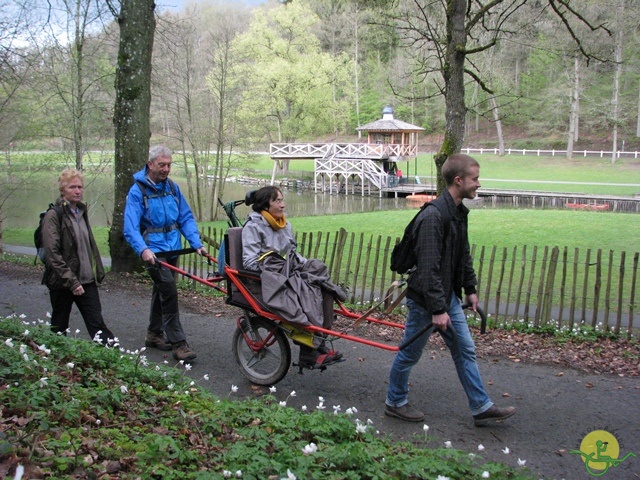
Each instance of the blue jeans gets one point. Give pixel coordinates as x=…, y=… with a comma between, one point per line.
x=464, y=357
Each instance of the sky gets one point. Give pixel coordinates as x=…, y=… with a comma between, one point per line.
x=178, y=5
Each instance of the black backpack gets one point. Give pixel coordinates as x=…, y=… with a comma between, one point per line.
x=37, y=235
x=403, y=256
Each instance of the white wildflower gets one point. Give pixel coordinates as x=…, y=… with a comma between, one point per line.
x=480, y=448
x=506, y=450
x=272, y=389
x=20, y=473
x=187, y=367
x=70, y=365
x=234, y=388
x=311, y=448
x=206, y=376
x=447, y=444
x=9, y=342
x=43, y=382
x=290, y=476
x=239, y=473
x=521, y=463
x=425, y=428
x=442, y=477
x=485, y=474
x=124, y=389
x=304, y=408
x=336, y=409
x=22, y=315
x=283, y=403
x=226, y=474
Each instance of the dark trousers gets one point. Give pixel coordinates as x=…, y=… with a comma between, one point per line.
x=62, y=299
x=165, y=315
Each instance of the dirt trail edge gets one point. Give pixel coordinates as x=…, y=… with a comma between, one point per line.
x=557, y=407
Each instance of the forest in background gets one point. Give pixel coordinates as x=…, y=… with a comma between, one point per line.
x=227, y=79
x=314, y=69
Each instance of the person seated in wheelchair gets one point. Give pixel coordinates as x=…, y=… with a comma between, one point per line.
x=294, y=287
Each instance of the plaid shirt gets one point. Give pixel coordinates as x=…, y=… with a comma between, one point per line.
x=444, y=263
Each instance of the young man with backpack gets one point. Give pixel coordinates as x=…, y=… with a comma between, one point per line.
x=155, y=217
x=73, y=266
x=443, y=269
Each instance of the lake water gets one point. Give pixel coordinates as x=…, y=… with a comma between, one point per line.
x=23, y=206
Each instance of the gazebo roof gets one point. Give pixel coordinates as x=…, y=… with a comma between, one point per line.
x=389, y=125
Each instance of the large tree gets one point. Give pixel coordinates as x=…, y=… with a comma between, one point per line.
x=131, y=115
x=444, y=35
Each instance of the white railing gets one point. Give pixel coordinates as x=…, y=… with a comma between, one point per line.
x=341, y=150
x=552, y=152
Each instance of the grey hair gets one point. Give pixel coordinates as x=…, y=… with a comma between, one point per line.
x=159, y=151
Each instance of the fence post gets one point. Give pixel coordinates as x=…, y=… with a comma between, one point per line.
x=521, y=282
x=632, y=298
x=540, y=294
x=548, y=293
x=563, y=285
x=596, y=288
x=620, y=293
x=500, y=280
x=511, y=272
x=587, y=264
x=489, y=278
x=607, y=296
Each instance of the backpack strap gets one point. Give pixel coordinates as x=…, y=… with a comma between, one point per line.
x=145, y=201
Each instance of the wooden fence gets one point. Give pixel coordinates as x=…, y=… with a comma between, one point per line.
x=555, y=286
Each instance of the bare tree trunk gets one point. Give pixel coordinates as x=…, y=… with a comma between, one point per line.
x=355, y=66
x=454, y=86
x=638, y=121
x=573, y=114
x=131, y=116
x=616, y=81
x=496, y=117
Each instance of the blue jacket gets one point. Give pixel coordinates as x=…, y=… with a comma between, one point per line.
x=166, y=217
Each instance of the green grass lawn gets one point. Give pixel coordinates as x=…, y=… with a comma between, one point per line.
x=488, y=227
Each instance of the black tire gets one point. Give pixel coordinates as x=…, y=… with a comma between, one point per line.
x=270, y=364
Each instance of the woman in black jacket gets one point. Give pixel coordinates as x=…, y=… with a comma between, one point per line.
x=73, y=265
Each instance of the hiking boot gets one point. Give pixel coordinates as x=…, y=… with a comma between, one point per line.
x=405, y=412
x=494, y=414
x=156, y=340
x=181, y=351
x=312, y=358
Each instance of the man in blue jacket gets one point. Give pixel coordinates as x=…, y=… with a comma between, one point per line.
x=155, y=217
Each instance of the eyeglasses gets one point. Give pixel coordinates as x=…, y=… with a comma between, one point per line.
x=279, y=201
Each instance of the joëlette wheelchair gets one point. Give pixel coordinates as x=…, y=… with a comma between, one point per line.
x=261, y=342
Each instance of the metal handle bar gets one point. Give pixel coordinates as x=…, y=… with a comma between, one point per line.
x=429, y=328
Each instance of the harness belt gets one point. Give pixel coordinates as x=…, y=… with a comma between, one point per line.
x=167, y=229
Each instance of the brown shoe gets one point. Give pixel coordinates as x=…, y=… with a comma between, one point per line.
x=181, y=351
x=494, y=414
x=405, y=412
x=156, y=340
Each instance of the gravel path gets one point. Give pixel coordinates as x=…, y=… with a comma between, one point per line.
x=557, y=407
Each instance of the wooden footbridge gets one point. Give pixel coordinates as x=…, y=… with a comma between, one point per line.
x=347, y=167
